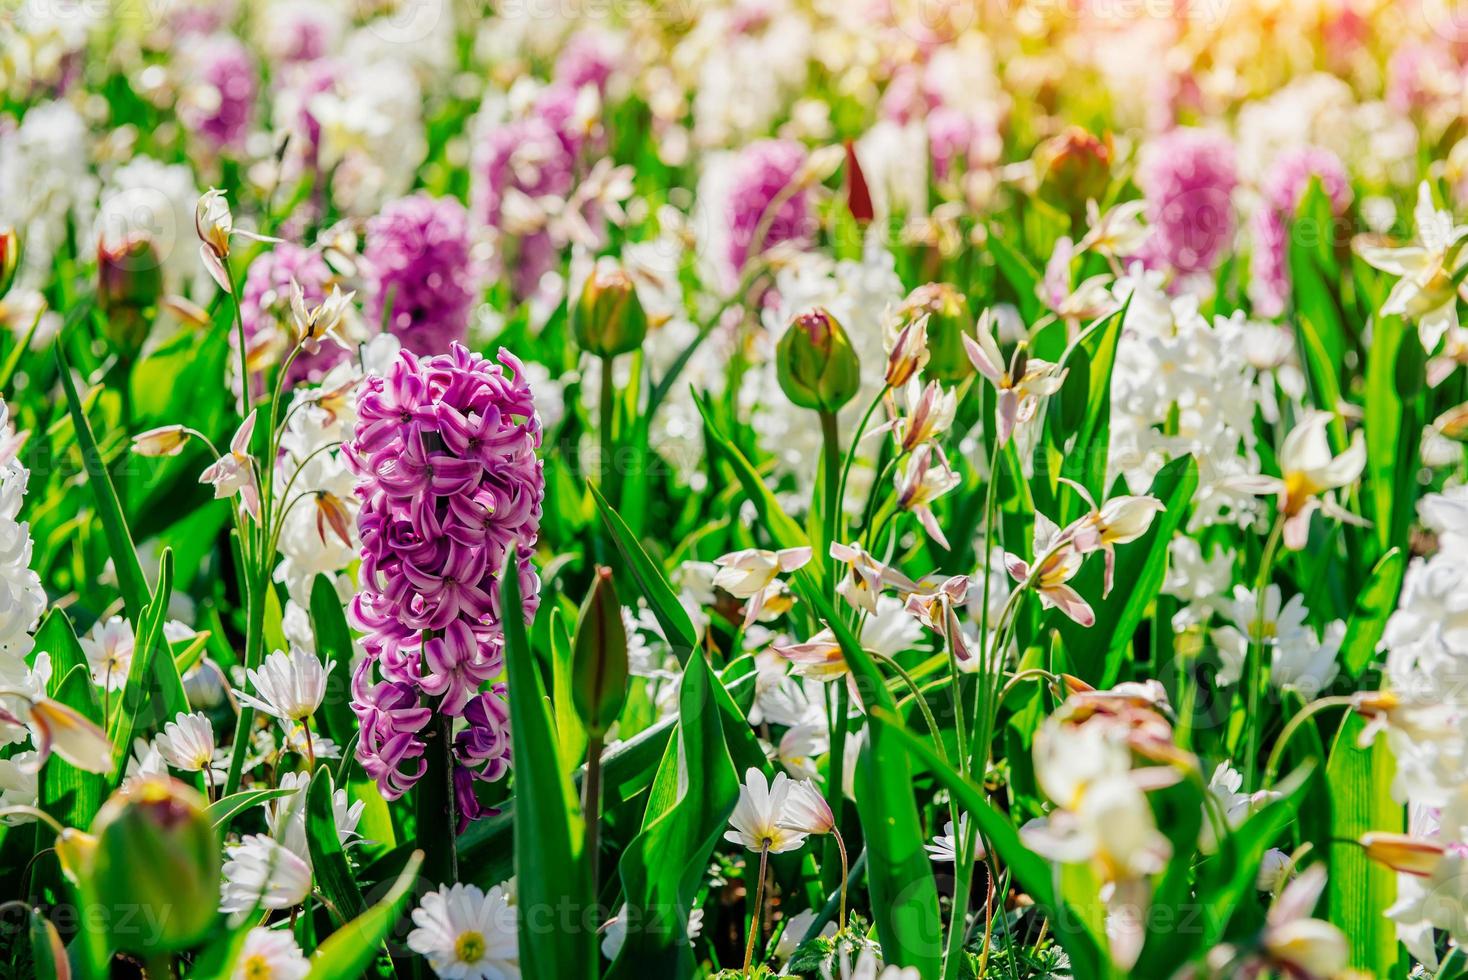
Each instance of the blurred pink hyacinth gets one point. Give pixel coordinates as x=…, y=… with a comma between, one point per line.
x=1188, y=177
x=1283, y=189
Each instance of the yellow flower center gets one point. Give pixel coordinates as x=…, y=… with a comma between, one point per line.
x=469, y=947
x=257, y=968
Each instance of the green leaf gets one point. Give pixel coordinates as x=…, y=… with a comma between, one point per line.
x=550, y=869
x=781, y=526
x=663, y=866
x=1228, y=877
x=48, y=955
x=1312, y=273
x=130, y=580
x=1391, y=459
x=1374, y=605
x=333, y=642
x=69, y=794
x=571, y=737
x=1033, y=872
x=351, y=950
x=57, y=638
x=328, y=860
x=655, y=588
x=1018, y=271
x=153, y=693
x=599, y=664
x=899, y=872
x=1088, y=379
x=222, y=811
x=1360, y=890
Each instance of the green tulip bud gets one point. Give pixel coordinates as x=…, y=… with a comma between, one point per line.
x=608, y=318
x=949, y=320
x=129, y=283
x=816, y=364
x=9, y=257
x=599, y=663
x=157, y=850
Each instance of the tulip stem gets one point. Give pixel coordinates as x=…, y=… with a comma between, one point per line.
x=855, y=441
x=836, y=763
x=1254, y=665
x=831, y=443
x=1276, y=753
x=845, y=874
x=608, y=445
x=759, y=894
x=591, y=808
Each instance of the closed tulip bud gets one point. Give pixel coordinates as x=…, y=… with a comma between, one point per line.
x=157, y=850
x=607, y=317
x=1073, y=168
x=599, y=664
x=949, y=321
x=9, y=257
x=129, y=284
x=816, y=364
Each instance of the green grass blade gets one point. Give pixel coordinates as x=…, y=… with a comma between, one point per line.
x=352, y=949
x=551, y=871
x=649, y=578
x=130, y=580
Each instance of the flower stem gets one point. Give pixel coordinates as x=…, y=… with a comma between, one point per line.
x=1276, y=753
x=608, y=444
x=754, y=921
x=845, y=875
x=591, y=808
x=437, y=821
x=831, y=446
x=1254, y=665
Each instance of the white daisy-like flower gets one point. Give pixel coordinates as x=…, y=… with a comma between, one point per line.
x=271, y=954
x=187, y=742
x=285, y=816
x=109, y=652
x=468, y=934
x=260, y=872
x=944, y=848
x=757, y=815
x=288, y=686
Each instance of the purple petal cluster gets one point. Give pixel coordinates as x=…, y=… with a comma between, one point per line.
x=228, y=84
x=1188, y=177
x=265, y=307
x=763, y=170
x=421, y=267
x=588, y=58
x=450, y=486
x=533, y=156
x=1283, y=189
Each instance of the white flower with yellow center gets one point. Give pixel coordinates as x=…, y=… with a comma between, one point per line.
x=468, y=934
x=758, y=814
x=271, y=954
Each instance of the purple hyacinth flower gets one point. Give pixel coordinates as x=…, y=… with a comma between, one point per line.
x=445, y=454
x=421, y=272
